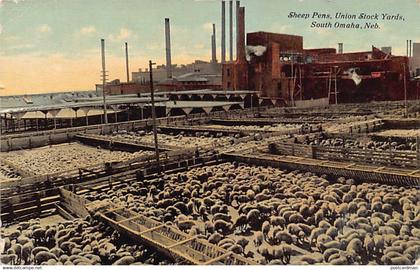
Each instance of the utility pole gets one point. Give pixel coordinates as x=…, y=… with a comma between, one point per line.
x=104, y=79
x=152, y=96
x=126, y=62
x=405, y=93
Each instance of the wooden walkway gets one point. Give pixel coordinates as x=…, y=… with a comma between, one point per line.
x=120, y=144
x=363, y=173
x=181, y=247
x=262, y=121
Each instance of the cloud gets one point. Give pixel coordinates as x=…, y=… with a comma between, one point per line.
x=124, y=34
x=1, y=29
x=87, y=30
x=10, y=1
x=45, y=28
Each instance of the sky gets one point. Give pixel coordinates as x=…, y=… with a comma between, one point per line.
x=54, y=45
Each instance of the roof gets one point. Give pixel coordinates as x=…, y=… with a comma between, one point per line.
x=195, y=104
x=191, y=77
x=93, y=103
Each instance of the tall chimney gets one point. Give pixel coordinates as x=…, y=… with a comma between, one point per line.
x=230, y=30
x=104, y=80
x=223, y=55
x=410, y=52
x=213, y=45
x=407, y=47
x=240, y=40
x=238, y=5
x=126, y=62
x=168, y=49
x=340, y=47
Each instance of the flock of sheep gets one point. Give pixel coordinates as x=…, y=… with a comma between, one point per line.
x=363, y=143
x=265, y=128
x=7, y=173
x=77, y=242
x=64, y=157
x=180, y=140
x=277, y=217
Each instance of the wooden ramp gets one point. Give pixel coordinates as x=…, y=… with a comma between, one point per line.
x=181, y=247
x=359, y=172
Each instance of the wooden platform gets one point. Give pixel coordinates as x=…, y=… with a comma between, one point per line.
x=362, y=173
x=169, y=240
x=119, y=143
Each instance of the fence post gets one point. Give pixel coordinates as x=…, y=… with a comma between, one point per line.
x=313, y=151
x=418, y=151
x=390, y=152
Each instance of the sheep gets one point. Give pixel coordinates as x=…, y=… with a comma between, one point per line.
x=221, y=216
x=277, y=221
x=208, y=227
x=223, y=226
x=186, y=225
x=8, y=259
x=39, y=235
x=44, y=256
x=332, y=232
x=26, y=251
x=397, y=260
x=215, y=238
x=265, y=228
x=241, y=223
x=309, y=259
x=314, y=234
x=126, y=260
x=356, y=246
x=50, y=233
x=16, y=249
x=238, y=249
x=329, y=245
x=322, y=240
x=379, y=243
x=258, y=238
x=369, y=245
x=284, y=236
x=329, y=252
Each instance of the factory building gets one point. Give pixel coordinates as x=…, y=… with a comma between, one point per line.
x=159, y=73
x=282, y=71
x=415, y=59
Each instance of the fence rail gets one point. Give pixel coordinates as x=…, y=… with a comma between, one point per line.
x=392, y=158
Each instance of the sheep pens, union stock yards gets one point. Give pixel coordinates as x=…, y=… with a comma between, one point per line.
x=265, y=214
x=240, y=212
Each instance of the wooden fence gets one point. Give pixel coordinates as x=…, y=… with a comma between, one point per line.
x=392, y=158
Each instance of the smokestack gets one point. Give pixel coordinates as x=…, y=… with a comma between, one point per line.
x=340, y=47
x=407, y=48
x=168, y=49
x=223, y=32
x=240, y=39
x=410, y=52
x=230, y=30
x=238, y=5
x=213, y=45
x=104, y=79
x=126, y=62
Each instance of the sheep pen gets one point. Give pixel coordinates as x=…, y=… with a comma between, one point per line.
x=265, y=214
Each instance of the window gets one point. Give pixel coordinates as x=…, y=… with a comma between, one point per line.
x=228, y=72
